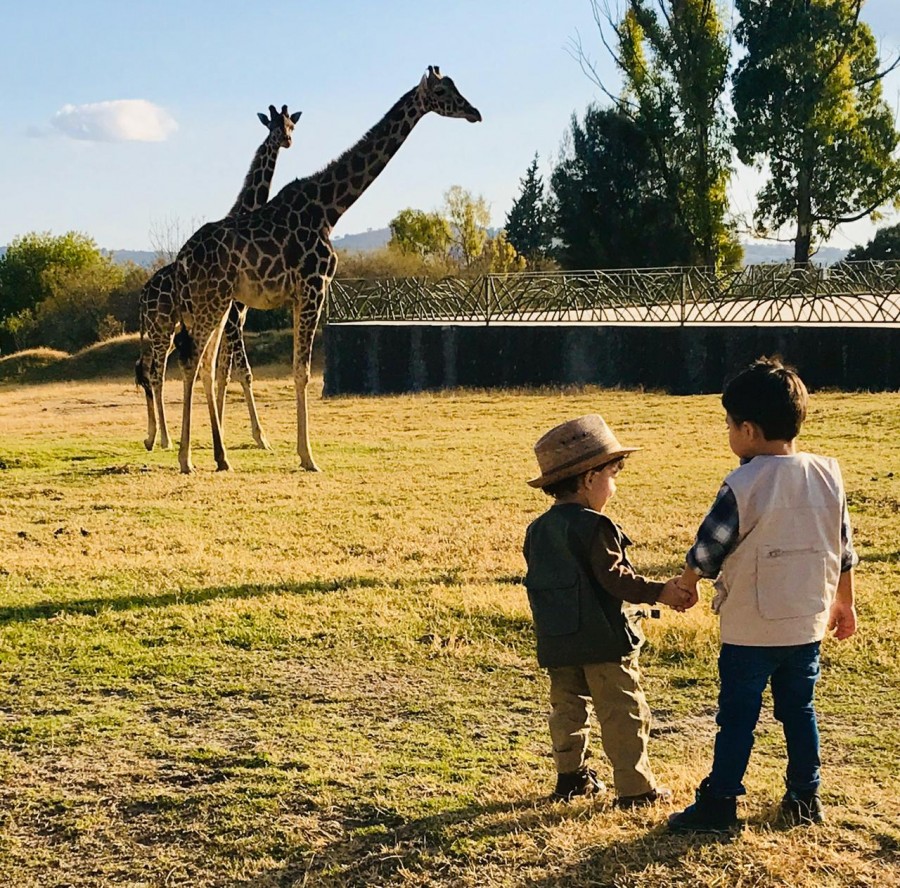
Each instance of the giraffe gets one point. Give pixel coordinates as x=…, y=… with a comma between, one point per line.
x=159, y=310
x=282, y=252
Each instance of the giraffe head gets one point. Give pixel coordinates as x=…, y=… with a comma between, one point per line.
x=280, y=124
x=439, y=94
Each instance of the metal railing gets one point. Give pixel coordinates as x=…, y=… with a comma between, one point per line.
x=846, y=294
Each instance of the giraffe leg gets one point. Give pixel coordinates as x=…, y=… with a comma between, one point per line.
x=207, y=372
x=234, y=334
x=189, y=368
x=223, y=375
x=191, y=350
x=142, y=378
x=306, y=317
x=158, y=386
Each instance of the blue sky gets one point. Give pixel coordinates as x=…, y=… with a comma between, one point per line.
x=194, y=73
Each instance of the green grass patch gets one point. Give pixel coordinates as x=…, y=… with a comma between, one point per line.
x=272, y=678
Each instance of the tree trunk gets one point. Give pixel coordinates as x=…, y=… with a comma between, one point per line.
x=803, y=240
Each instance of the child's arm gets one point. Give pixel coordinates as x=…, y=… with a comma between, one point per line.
x=843, y=609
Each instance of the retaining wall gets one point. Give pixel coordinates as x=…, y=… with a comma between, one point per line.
x=391, y=358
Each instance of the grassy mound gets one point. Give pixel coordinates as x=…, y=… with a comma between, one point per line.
x=114, y=358
x=26, y=364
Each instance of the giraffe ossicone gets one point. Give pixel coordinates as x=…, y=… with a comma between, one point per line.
x=282, y=253
x=160, y=315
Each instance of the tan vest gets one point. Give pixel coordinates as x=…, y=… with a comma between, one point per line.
x=776, y=586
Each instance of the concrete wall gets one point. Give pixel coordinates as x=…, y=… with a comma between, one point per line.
x=375, y=359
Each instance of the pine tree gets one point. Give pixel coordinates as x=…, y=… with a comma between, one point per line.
x=526, y=223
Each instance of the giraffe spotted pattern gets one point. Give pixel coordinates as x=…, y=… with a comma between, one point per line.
x=282, y=253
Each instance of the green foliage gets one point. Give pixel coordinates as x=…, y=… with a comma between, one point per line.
x=469, y=218
x=69, y=317
x=22, y=268
x=415, y=231
x=391, y=262
x=499, y=256
x=60, y=292
x=611, y=206
x=885, y=245
x=809, y=106
x=527, y=223
x=674, y=57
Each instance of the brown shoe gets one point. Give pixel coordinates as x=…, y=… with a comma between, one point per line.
x=583, y=782
x=657, y=794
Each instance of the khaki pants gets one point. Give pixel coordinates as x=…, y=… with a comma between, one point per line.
x=623, y=714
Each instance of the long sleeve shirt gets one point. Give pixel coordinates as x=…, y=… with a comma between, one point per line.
x=610, y=565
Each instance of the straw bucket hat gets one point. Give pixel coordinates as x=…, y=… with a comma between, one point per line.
x=574, y=447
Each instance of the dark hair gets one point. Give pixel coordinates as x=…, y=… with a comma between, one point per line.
x=769, y=394
x=565, y=486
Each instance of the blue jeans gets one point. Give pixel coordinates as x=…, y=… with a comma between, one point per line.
x=744, y=672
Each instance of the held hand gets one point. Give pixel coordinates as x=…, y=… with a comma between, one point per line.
x=675, y=596
x=693, y=593
x=842, y=620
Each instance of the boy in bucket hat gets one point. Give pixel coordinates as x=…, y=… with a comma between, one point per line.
x=578, y=578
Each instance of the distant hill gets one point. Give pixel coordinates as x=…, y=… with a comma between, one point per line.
x=364, y=241
x=146, y=258
x=374, y=238
x=758, y=254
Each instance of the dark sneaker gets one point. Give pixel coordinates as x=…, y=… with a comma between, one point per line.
x=709, y=813
x=658, y=794
x=802, y=808
x=583, y=782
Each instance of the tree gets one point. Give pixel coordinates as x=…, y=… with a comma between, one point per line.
x=527, y=224
x=469, y=218
x=674, y=61
x=27, y=272
x=499, y=256
x=808, y=100
x=77, y=307
x=415, y=231
x=885, y=245
x=23, y=283
x=611, y=207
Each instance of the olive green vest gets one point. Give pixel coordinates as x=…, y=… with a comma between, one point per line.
x=576, y=621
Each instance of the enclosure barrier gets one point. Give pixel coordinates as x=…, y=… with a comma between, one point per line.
x=677, y=329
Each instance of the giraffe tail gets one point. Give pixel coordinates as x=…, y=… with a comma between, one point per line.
x=184, y=345
x=140, y=371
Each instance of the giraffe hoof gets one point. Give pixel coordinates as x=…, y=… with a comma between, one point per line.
x=312, y=467
x=263, y=444
x=187, y=470
x=148, y=443
x=223, y=466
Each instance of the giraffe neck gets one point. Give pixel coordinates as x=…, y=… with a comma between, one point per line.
x=255, y=190
x=337, y=187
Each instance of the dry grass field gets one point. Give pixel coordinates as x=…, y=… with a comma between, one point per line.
x=271, y=678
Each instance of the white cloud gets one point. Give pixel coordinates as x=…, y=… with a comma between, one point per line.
x=124, y=120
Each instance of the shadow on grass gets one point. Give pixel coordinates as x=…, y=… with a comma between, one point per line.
x=379, y=844
x=93, y=606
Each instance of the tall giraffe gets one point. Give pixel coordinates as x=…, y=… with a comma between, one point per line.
x=282, y=252
x=160, y=316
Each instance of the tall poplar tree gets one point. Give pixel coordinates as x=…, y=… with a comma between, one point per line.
x=673, y=56
x=809, y=106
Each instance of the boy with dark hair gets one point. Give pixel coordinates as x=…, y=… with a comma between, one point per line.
x=578, y=577
x=777, y=539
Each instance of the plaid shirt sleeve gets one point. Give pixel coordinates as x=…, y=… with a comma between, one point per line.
x=719, y=532
x=717, y=535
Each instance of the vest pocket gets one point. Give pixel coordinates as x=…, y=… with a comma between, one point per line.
x=556, y=610
x=791, y=582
